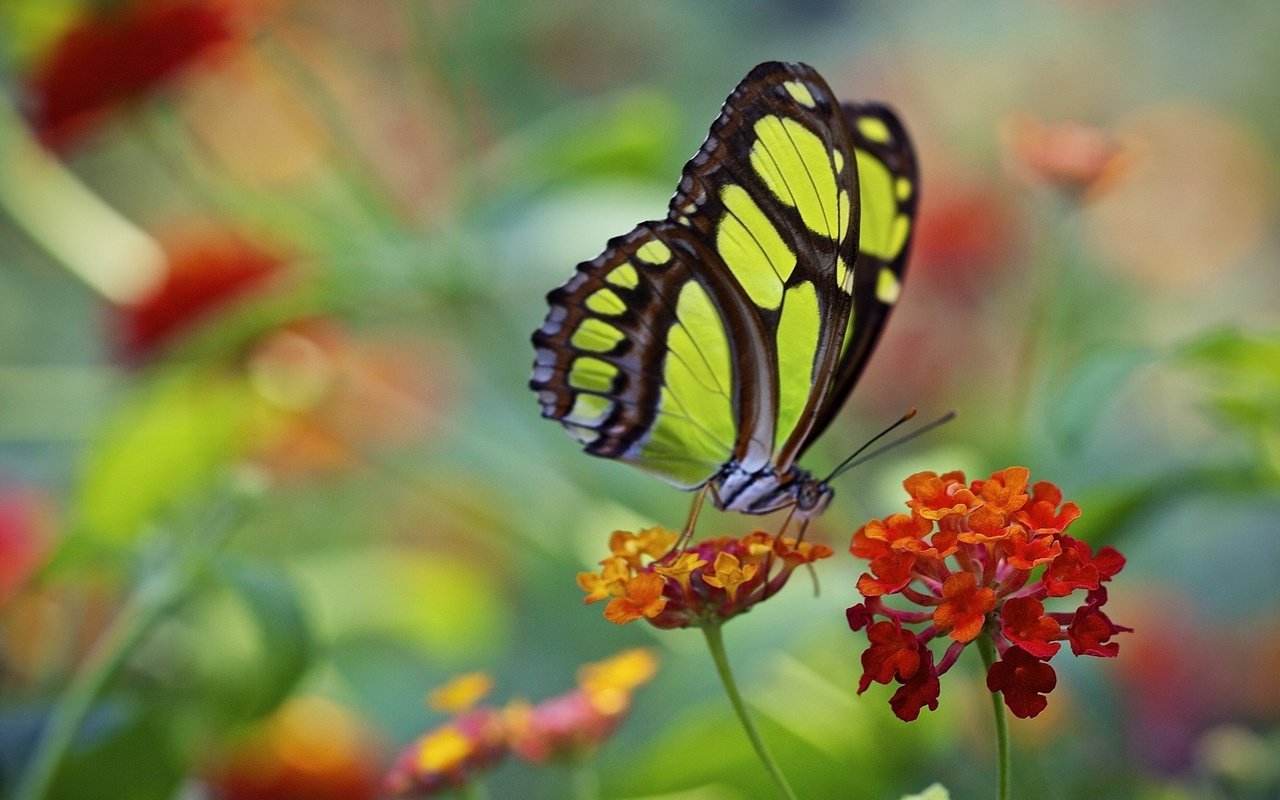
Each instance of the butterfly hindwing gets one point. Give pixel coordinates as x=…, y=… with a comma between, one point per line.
x=889, y=188
x=774, y=191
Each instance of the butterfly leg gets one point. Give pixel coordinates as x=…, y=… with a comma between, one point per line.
x=686, y=534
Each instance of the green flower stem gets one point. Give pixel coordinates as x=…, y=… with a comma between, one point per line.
x=988, y=651
x=583, y=779
x=715, y=643
x=473, y=790
x=155, y=593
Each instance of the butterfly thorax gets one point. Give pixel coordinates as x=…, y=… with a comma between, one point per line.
x=766, y=489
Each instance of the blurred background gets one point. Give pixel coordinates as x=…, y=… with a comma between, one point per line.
x=268, y=271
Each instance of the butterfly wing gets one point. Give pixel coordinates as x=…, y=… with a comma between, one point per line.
x=889, y=186
x=636, y=360
x=774, y=191
x=723, y=332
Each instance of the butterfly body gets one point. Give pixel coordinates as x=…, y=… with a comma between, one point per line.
x=715, y=345
x=766, y=490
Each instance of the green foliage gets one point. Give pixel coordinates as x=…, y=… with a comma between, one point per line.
x=164, y=446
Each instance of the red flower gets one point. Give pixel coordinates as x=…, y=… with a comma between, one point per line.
x=1090, y=630
x=204, y=276
x=920, y=690
x=1027, y=626
x=894, y=654
x=976, y=579
x=115, y=55
x=1042, y=515
x=704, y=584
x=25, y=522
x=1024, y=680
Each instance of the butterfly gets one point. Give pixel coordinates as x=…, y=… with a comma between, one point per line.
x=713, y=347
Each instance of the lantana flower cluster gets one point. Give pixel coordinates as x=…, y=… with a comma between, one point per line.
x=979, y=559
x=477, y=738
x=704, y=584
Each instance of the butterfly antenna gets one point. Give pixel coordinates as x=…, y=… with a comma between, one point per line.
x=853, y=460
x=845, y=464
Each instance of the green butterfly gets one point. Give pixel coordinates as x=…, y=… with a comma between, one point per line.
x=713, y=347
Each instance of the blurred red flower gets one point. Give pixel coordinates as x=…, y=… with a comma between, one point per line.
x=24, y=537
x=114, y=55
x=205, y=275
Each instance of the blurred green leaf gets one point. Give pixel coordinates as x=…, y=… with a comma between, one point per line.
x=1082, y=398
x=136, y=759
x=631, y=138
x=163, y=445
x=287, y=646
x=30, y=28
x=1242, y=374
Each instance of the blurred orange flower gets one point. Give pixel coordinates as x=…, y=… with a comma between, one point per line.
x=309, y=749
x=1074, y=157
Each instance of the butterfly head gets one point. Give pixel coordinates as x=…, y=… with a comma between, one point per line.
x=813, y=495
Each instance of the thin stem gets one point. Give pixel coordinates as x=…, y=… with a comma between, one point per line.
x=154, y=595
x=715, y=643
x=583, y=779
x=473, y=790
x=140, y=612
x=988, y=651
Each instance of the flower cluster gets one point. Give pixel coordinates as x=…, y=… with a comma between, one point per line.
x=477, y=738
x=967, y=555
x=704, y=584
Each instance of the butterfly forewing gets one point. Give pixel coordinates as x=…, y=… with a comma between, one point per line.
x=773, y=191
x=635, y=358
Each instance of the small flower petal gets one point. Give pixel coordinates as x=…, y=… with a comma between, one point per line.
x=1024, y=680
x=964, y=608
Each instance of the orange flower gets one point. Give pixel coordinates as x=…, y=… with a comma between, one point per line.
x=703, y=584
x=964, y=607
x=643, y=599
x=935, y=497
x=576, y=723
